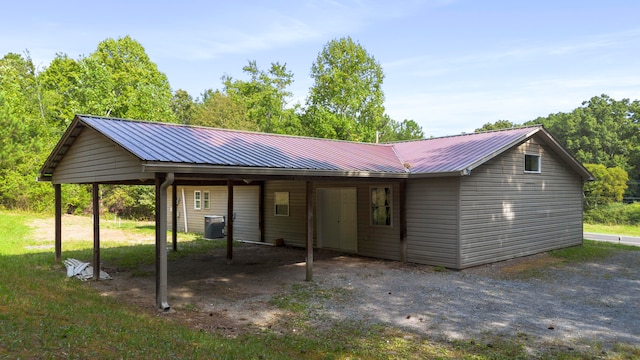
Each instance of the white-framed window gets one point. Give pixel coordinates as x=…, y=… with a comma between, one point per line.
x=381, y=205
x=532, y=163
x=206, y=199
x=281, y=203
x=197, y=200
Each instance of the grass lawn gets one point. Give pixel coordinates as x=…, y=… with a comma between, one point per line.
x=45, y=315
x=628, y=230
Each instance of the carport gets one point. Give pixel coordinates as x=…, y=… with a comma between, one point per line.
x=97, y=151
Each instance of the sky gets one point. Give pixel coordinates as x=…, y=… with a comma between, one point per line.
x=449, y=65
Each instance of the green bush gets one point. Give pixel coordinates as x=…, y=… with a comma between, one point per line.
x=614, y=214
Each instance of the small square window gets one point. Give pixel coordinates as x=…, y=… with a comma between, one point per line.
x=381, y=205
x=197, y=200
x=532, y=163
x=281, y=203
x=207, y=200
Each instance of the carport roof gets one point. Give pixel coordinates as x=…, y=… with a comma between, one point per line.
x=165, y=145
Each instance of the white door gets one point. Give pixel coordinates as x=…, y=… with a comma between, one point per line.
x=337, y=219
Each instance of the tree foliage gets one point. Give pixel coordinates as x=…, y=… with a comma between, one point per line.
x=608, y=187
x=498, y=125
x=219, y=110
x=346, y=99
x=265, y=97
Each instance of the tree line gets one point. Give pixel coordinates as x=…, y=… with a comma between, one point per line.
x=345, y=102
x=119, y=80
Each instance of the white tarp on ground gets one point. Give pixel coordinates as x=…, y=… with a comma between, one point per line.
x=82, y=270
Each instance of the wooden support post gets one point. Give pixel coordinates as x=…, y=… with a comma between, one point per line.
x=261, y=211
x=309, y=202
x=403, y=221
x=58, y=221
x=96, y=232
x=174, y=216
x=229, y=221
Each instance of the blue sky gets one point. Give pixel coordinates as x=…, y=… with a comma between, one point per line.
x=450, y=65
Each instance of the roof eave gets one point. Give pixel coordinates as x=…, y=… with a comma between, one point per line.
x=260, y=171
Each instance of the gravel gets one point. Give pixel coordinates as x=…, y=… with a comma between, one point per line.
x=571, y=305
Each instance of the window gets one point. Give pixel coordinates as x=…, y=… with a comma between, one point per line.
x=197, y=200
x=532, y=163
x=207, y=202
x=281, y=203
x=381, y=205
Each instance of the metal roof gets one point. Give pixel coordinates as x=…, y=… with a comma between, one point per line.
x=172, y=144
x=459, y=153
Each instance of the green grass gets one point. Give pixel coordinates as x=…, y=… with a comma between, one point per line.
x=45, y=315
x=628, y=230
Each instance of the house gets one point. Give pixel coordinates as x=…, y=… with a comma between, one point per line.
x=457, y=201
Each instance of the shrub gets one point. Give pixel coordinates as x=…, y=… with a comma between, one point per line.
x=614, y=214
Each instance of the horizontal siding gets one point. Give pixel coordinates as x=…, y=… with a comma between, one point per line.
x=432, y=225
x=507, y=213
x=293, y=228
x=245, y=206
x=92, y=157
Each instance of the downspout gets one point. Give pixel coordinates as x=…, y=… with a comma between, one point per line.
x=161, y=249
x=184, y=211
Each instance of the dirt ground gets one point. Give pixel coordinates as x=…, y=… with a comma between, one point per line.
x=575, y=305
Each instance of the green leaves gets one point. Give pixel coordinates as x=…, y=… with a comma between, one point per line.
x=346, y=99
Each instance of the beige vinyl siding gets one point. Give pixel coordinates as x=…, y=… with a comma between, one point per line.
x=432, y=221
x=507, y=213
x=373, y=240
x=245, y=206
x=293, y=228
x=94, y=158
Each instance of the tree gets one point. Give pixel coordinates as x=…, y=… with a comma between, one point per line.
x=400, y=131
x=120, y=80
x=24, y=135
x=265, y=97
x=219, y=110
x=346, y=100
x=182, y=105
x=60, y=83
x=498, y=125
x=609, y=185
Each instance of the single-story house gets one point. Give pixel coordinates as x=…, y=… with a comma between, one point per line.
x=456, y=201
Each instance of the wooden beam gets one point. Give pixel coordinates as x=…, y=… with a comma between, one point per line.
x=309, y=203
x=96, y=232
x=57, y=189
x=161, y=240
x=229, y=221
x=261, y=211
x=403, y=220
x=174, y=216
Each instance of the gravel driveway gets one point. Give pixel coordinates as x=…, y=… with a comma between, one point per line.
x=562, y=304
x=535, y=298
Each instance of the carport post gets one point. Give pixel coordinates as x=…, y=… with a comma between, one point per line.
x=96, y=232
x=174, y=216
x=229, y=221
x=58, y=226
x=309, y=231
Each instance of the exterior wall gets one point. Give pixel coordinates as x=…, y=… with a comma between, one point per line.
x=375, y=241
x=507, y=213
x=432, y=221
x=245, y=206
x=94, y=158
x=293, y=228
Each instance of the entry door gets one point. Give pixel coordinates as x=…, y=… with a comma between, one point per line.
x=337, y=219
